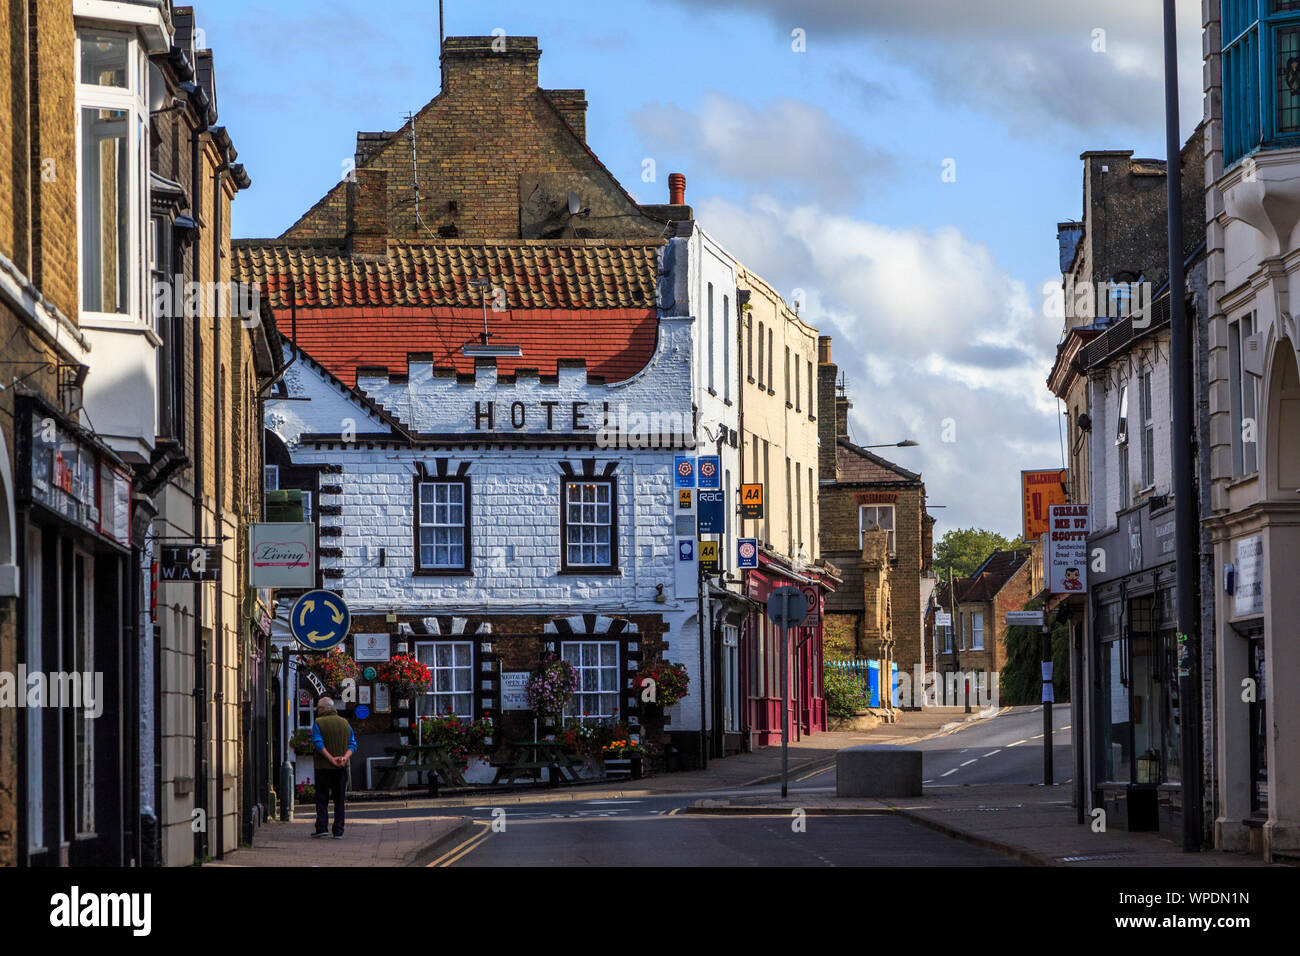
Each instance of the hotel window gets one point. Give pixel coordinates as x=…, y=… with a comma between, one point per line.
x=796, y=385
x=876, y=518
x=798, y=505
x=771, y=351
x=112, y=169
x=1148, y=431
x=1244, y=397
x=787, y=375
x=452, y=667
x=597, y=665
x=812, y=406
x=760, y=355
x=749, y=348
x=726, y=350
x=442, y=526
x=767, y=495
x=710, y=353
x=977, y=631
x=1261, y=75
x=587, y=515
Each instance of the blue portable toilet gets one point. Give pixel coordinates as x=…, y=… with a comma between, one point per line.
x=873, y=683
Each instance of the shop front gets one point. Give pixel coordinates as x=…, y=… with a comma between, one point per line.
x=77, y=658
x=1136, y=770
x=761, y=655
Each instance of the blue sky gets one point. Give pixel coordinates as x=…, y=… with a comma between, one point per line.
x=821, y=168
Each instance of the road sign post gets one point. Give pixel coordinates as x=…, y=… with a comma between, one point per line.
x=1048, y=695
x=786, y=607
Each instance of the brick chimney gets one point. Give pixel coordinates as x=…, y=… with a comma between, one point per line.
x=368, y=213
x=496, y=67
x=826, y=410
x=572, y=106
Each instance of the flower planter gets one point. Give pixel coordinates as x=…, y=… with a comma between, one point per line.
x=620, y=766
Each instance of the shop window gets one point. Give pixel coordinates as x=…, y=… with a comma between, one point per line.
x=596, y=663
x=442, y=525
x=452, y=690
x=588, y=519
x=1116, y=745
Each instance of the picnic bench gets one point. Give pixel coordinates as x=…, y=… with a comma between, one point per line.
x=433, y=759
x=531, y=757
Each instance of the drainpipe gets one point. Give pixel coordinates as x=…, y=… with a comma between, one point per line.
x=200, y=652
x=742, y=299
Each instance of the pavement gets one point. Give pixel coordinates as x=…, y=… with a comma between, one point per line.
x=368, y=841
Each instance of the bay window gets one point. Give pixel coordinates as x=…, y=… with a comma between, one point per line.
x=1261, y=75
x=112, y=167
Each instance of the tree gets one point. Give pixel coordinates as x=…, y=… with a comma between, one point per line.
x=1021, y=679
x=964, y=549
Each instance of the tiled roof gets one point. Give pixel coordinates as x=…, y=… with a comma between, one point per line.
x=989, y=578
x=856, y=464
x=615, y=343
x=533, y=273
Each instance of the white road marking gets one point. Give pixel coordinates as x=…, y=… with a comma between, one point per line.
x=1036, y=737
x=952, y=771
x=969, y=762
x=992, y=752
x=1018, y=743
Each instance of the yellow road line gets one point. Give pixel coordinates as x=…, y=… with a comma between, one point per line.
x=444, y=859
x=813, y=774
x=674, y=812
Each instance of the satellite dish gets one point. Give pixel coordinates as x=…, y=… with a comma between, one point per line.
x=575, y=204
x=157, y=89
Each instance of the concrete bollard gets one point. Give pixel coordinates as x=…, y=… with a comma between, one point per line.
x=878, y=770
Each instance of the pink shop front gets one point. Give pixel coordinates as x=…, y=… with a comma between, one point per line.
x=761, y=654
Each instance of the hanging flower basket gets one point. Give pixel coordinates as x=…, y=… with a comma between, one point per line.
x=301, y=743
x=670, y=682
x=333, y=668
x=405, y=675
x=550, y=688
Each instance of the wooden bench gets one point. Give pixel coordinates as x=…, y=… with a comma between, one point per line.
x=432, y=759
x=530, y=758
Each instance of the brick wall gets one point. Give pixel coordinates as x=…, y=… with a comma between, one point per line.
x=495, y=157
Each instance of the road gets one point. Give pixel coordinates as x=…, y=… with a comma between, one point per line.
x=654, y=831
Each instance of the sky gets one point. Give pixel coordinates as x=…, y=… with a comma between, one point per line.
x=896, y=168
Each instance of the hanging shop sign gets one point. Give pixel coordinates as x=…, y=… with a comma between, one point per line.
x=189, y=562
x=709, y=557
x=1248, y=595
x=282, y=554
x=684, y=471
x=747, y=553
x=710, y=471
x=1040, y=490
x=751, y=501
x=1067, y=549
x=713, y=512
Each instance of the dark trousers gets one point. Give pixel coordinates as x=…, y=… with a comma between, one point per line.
x=330, y=782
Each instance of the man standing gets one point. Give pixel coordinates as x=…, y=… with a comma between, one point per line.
x=335, y=742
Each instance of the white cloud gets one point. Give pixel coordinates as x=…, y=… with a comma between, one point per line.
x=785, y=142
x=931, y=333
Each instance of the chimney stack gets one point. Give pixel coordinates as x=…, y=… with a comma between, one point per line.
x=676, y=189
x=823, y=350
x=827, y=428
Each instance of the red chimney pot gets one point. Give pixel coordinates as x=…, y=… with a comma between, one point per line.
x=677, y=189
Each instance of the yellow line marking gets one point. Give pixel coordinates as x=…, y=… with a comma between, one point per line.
x=439, y=861
x=470, y=849
x=813, y=774
x=674, y=812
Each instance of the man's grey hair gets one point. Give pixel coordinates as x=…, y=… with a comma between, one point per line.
x=325, y=705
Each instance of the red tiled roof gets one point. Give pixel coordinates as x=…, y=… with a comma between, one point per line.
x=532, y=273
x=616, y=343
x=989, y=578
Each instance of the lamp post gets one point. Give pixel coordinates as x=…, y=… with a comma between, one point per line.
x=905, y=443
